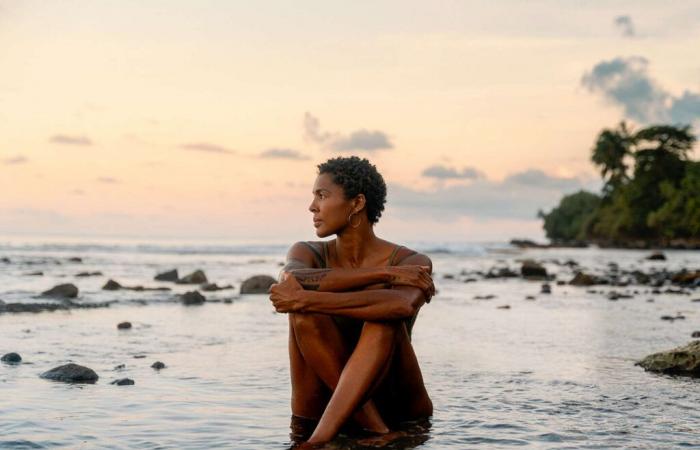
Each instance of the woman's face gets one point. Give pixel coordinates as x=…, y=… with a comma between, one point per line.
x=329, y=206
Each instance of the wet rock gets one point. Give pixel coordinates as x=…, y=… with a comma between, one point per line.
x=684, y=360
x=124, y=325
x=470, y=280
x=656, y=256
x=5, y=260
x=67, y=290
x=193, y=298
x=30, y=307
x=530, y=297
x=120, y=367
x=695, y=300
x=561, y=283
x=139, y=356
x=158, y=365
x=696, y=334
x=75, y=259
x=88, y=274
x=546, y=289
x=685, y=277
x=584, y=279
x=211, y=287
x=526, y=243
x=532, y=269
x=258, y=284
x=123, y=382
x=196, y=277
x=34, y=274
x=11, y=358
x=613, y=295
x=448, y=276
x=71, y=373
x=503, y=307
x=170, y=275
x=111, y=285
x=501, y=272
x=484, y=297
x=641, y=277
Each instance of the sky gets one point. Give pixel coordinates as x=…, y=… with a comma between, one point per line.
x=207, y=119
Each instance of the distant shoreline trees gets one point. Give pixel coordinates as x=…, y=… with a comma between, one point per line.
x=650, y=196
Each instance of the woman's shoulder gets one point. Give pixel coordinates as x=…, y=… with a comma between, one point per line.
x=309, y=251
x=402, y=254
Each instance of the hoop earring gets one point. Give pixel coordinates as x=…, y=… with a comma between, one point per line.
x=350, y=220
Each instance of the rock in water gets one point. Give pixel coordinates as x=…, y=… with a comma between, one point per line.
x=583, y=279
x=67, y=290
x=683, y=360
x=124, y=325
x=258, y=284
x=211, y=287
x=170, y=275
x=158, y=365
x=546, y=289
x=193, y=298
x=196, y=277
x=656, y=256
x=111, y=285
x=11, y=358
x=123, y=382
x=532, y=269
x=71, y=373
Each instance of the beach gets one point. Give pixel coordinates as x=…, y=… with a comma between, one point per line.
x=505, y=363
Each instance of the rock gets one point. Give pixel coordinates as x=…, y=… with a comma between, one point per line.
x=258, y=284
x=111, y=285
x=34, y=274
x=210, y=287
x=584, y=279
x=656, y=256
x=5, y=260
x=448, y=276
x=124, y=325
x=75, y=259
x=89, y=274
x=123, y=382
x=11, y=358
x=613, y=295
x=561, y=283
x=158, y=365
x=470, y=280
x=71, y=373
x=503, y=307
x=196, y=277
x=684, y=360
x=530, y=297
x=192, y=298
x=546, y=289
x=686, y=277
x=484, y=297
x=696, y=334
x=139, y=356
x=501, y=272
x=62, y=291
x=533, y=269
x=526, y=243
x=670, y=318
x=119, y=367
x=170, y=275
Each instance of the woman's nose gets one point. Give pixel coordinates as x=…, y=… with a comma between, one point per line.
x=312, y=206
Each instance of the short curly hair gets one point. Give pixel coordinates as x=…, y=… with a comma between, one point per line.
x=358, y=176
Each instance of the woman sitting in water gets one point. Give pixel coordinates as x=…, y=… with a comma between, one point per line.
x=352, y=302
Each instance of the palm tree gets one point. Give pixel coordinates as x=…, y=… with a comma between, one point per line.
x=609, y=152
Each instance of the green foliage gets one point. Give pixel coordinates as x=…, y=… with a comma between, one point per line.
x=566, y=221
x=659, y=201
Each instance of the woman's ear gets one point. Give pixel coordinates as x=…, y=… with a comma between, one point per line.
x=359, y=203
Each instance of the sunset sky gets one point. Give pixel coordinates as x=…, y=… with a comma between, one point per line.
x=207, y=118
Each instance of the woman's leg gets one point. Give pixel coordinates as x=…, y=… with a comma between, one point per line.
x=320, y=352
x=368, y=361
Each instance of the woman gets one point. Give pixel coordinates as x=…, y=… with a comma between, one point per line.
x=352, y=302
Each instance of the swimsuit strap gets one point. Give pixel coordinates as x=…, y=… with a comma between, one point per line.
x=325, y=254
x=319, y=259
x=393, y=255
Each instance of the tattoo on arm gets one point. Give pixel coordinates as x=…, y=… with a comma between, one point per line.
x=310, y=279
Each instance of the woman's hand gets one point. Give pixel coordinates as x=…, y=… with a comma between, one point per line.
x=416, y=276
x=287, y=296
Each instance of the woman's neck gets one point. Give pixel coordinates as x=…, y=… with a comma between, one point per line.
x=354, y=244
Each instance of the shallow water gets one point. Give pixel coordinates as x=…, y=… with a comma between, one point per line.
x=554, y=372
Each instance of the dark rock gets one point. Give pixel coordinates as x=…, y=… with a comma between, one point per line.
x=89, y=274
x=696, y=334
x=5, y=260
x=484, y=297
x=11, y=358
x=34, y=274
x=211, y=287
x=139, y=356
x=695, y=300
x=561, y=283
x=448, y=276
x=503, y=307
x=501, y=272
x=119, y=367
x=584, y=279
x=258, y=284
x=656, y=256
x=546, y=289
x=111, y=285
x=684, y=360
x=526, y=243
x=470, y=280
x=670, y=318
x=62, y=291
x=685, y=277
x=192, y=298
x=532, y=269
x=71, y=373
x=170, y=275
x=75, y=259
x=123, y=382
x=196, y=277
x=124, y=325
x=613, y=295
x=530, y=297
x=158, y=365
x=650, y=300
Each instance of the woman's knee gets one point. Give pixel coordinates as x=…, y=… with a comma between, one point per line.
x=385, y=331
x=309, y=323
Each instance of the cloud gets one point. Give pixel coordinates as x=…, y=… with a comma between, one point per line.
x=206, y=147
x=70, y=140
x=108, y=180
x=625, y=82
x=19, y=159
x=518, y=196
x=445, y=173
x=625, y=25
x=358, y=140
x=283, y=153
